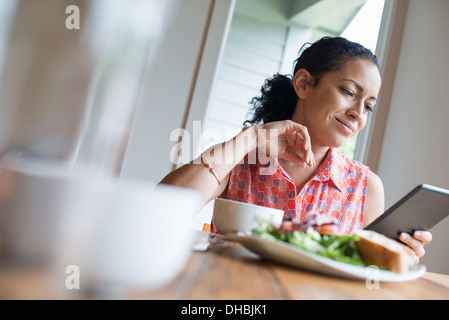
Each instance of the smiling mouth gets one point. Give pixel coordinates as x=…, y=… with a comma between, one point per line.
x=348, y=128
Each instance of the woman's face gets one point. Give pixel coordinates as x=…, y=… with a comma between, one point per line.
x=337, y=108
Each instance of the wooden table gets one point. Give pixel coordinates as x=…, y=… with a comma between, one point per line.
x=232, y=272
x=227, y=271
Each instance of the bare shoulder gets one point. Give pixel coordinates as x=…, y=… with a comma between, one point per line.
x=375, y=199
x=375, y=183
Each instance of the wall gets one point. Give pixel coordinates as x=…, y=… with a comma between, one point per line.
x=169, y=88
x=415, y=148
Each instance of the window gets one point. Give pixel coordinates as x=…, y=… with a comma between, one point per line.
x=363, y=29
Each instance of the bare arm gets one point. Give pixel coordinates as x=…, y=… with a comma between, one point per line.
x=223, y=157
x=375, y=199
x=283, y=139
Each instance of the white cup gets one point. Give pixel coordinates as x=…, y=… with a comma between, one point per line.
x=232, y=216
x=34, y=198
x=144, y=238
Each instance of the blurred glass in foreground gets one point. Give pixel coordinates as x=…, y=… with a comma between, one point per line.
x=70, y=94
x=68, y=225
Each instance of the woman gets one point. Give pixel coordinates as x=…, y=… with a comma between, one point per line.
x=288, y=158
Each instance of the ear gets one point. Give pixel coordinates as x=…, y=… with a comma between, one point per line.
x=301, y=81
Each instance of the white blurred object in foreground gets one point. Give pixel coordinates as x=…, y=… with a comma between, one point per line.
x=117, y=233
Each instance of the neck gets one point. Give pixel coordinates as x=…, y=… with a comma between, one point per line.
x=301, y=175
x=319, y=150
x=320, y=153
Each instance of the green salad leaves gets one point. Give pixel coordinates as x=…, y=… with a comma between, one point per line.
x=340, y=248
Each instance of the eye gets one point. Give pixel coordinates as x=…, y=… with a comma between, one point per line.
x=369, y=108
x=347, y=92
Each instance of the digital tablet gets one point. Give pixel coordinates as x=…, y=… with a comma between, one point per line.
x=420, y=209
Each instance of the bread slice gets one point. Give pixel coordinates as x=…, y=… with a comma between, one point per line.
x=386, y=253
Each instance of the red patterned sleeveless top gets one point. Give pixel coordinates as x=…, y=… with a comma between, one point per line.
x=336, y=192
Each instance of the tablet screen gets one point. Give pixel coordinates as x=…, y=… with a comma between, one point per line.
x=420, y=209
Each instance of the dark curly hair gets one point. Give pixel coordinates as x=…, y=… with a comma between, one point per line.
x=278, y=98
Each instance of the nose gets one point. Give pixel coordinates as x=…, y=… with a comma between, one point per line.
x=356, y=111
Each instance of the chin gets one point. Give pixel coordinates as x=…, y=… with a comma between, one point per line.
x=338, y=144
x=335, y=140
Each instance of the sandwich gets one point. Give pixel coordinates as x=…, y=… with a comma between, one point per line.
x=362, y=248
x=386, y=253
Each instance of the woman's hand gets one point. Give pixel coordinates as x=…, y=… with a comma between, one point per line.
x=416, y=243
x=286, y=140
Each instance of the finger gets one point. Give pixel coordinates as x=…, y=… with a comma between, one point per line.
x=424, y=236
x=298, y=137
x=307, y=145
x=294, y=158
x=301, y=141
x=413, y=243
x=414, y=258
x=302, y=145
x=293, y=150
